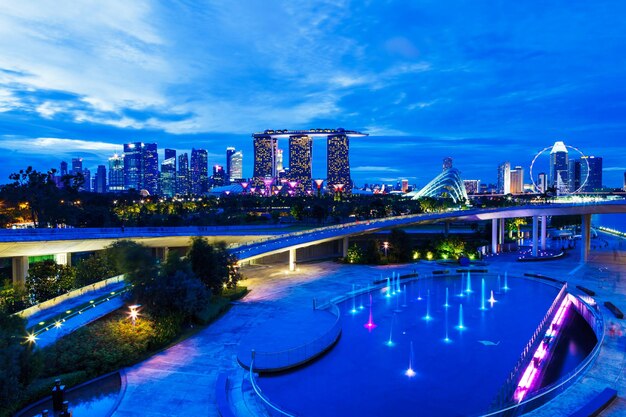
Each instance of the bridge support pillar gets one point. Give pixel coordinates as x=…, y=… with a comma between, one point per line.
x=535, y=242
x=501, y=228
x=494, y=236
x=63, y=259
x=446, y=228
x=544, y=226
x=345, y=246
x=161, y=253
x=585, y=237
x=20, y=270
x=292, y=259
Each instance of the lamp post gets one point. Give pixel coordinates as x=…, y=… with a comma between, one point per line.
x=385, y=247
x=133, y=314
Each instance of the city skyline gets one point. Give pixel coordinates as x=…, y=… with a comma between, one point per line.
x=482, y=85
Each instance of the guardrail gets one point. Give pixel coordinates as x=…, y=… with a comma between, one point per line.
x=506, y=393
x=545, y=394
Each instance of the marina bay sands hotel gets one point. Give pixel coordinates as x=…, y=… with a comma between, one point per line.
x=299, y=177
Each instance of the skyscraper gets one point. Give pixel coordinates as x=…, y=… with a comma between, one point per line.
x=594, y=180
x=471, y=186
x=168, y=173
x=63, y=171
x=236, y=167
x=77, y=166
x=86, y=180
x=504, y=178
x=183, y=179
x=101, y=180
x=141, y=167
x=574, y=174
x=517, y=180
x=447, y=163
x=229, y=153
x=542, y=182
x=558, y=165
x=116, y=174
x=300, y=160
x=264, y=158
x=199, y=171
x=338, y=162
x=219, y=176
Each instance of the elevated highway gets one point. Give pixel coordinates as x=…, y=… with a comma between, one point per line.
x=250, y=242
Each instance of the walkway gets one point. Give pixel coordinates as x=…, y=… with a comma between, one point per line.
x=181, y=380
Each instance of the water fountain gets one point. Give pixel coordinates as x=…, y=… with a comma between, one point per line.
x=361, y=306
x=469, y=283
x=491, y=299
x=461, y=293
x=390, y=341
x=410, y=372
x=506, y=281
x=370, y=324
x=404, y=291
x=398, y=282
x=460, y=325
x=354, y=310
x=499, y=285
x=388, y=293
x=482, y=294
x=427, y=317
x=447, y=338
x=446, y=305
x=397, y=310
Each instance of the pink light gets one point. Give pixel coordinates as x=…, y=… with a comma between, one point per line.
x=309, y=192
x=370, y=325
x=293, y=184
x=319, y=183
x=244, y=185
x=279, y=187
x=268, y=182
x=276, y=192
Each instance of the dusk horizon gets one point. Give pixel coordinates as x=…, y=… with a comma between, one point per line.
x=480, y=84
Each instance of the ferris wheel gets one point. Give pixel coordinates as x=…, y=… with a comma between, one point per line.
x=566, y=186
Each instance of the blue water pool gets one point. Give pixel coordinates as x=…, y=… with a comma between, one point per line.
x=367, y=372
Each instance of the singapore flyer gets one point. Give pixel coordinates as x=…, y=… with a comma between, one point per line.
x=559, y=178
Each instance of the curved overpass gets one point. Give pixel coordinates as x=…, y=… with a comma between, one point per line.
x=253, y=242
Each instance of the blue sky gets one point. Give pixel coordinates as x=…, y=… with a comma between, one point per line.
x=480, y=81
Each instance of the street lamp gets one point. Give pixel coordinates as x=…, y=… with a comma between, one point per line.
x=133, y=314
x=385, y=247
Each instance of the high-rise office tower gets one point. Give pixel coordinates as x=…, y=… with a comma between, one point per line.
x=116, y=174
x=594, y=180
x=141, y=167
x=168, y=173
x=183, y=179
x=574, y=174
x=504, y=178
x=100, y=183
x=86, y=181
x=77, y=166
x=264, y=158
x=517, y=180
x=236, y=167
x=300, y=161
x=199, y=171
x=219, y=176
x=542, y=182
x=280, y=166
x=63, y=171
x=447, y=163
x=338, y=162
x=229, y=154
x=558, y=165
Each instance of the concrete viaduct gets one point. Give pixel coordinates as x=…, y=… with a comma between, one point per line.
x=250, y=243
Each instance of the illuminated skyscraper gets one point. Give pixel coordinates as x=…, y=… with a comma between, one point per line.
x=101, y=180
x=504, y=178
x=183, y=180
x=116, y=174
x=63, y=171
x=168, y=173
x=471, y=186
x=300, y=157
x=279, y=160
x=199, y=171
x=594, y=180
x=141, y=167
x=77, y=166
x=264, y=158
x=338, y=162
x=542, y=182
x=236, y=167
x=219, y=176
x=558, y=164
x=517, y=180
x=574, y=177
x=86, y=180
x=447, y=163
